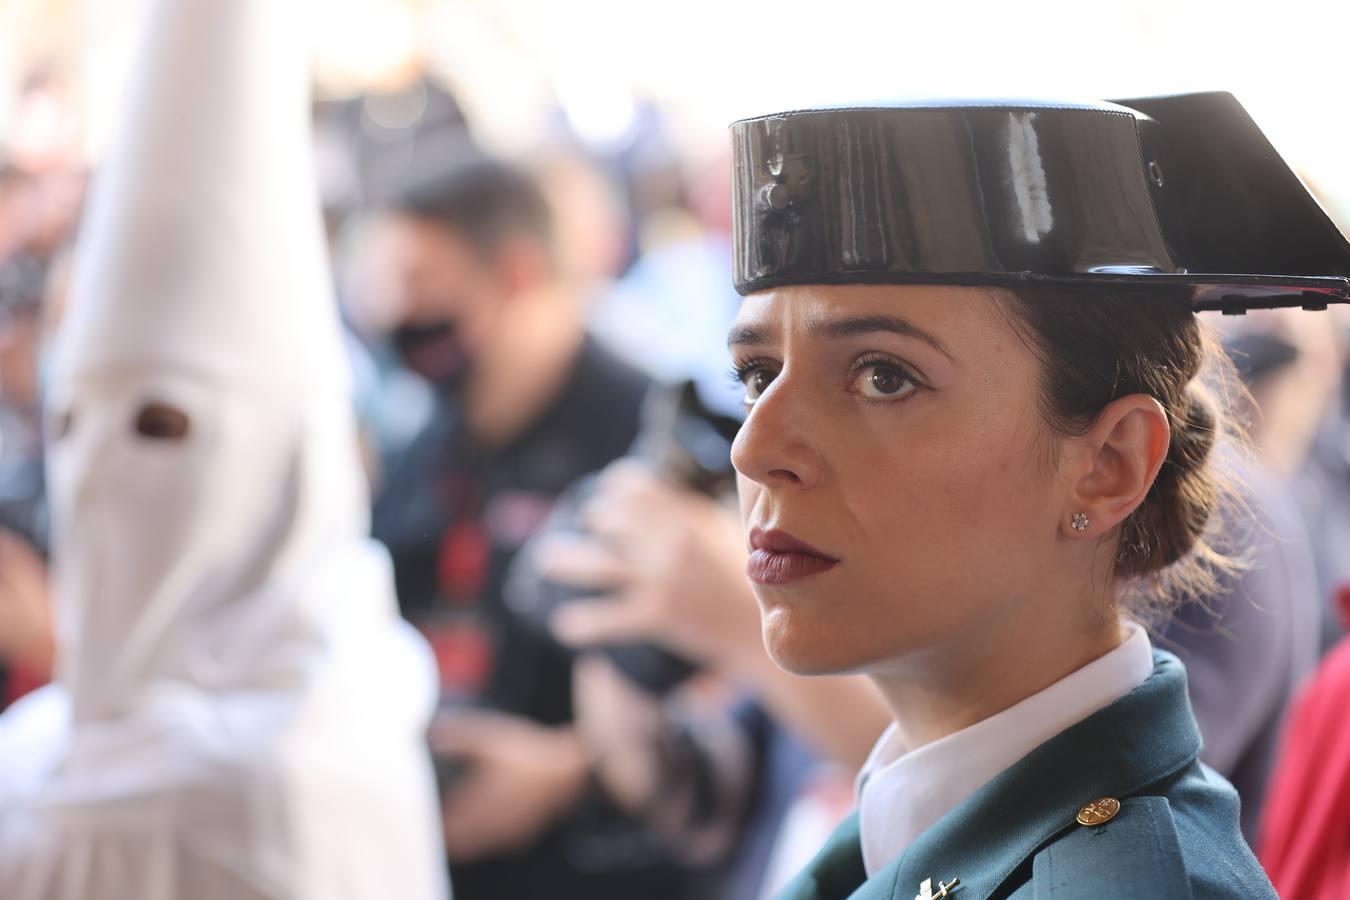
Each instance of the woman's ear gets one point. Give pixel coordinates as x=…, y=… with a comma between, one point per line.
x=1119, y=458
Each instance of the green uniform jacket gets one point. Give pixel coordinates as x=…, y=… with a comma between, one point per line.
x=1175, y=835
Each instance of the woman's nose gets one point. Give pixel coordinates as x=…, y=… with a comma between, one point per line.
x=773, y=446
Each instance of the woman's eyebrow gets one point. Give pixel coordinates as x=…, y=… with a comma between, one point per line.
x=746, y=334
x=853, y=326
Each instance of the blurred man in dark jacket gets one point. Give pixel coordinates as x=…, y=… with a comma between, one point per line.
x=467, y=262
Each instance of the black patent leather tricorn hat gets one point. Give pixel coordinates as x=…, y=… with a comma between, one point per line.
x=1181, y=191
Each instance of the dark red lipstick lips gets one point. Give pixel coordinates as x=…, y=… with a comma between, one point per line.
x=777, y=557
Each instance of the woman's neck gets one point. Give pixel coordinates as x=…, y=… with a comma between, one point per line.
x=992, y=666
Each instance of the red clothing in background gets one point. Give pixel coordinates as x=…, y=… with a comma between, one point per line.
x=1305, y=832
x=21, y=681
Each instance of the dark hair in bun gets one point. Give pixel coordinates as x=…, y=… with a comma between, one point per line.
x=1099, y=344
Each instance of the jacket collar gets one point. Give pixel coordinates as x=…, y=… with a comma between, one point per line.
x=1143, y=738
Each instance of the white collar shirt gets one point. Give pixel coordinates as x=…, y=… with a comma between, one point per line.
x=902, y=791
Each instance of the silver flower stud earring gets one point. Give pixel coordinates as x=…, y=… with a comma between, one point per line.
x=1079, y=522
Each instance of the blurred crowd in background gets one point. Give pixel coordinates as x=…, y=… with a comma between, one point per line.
x=538, y=335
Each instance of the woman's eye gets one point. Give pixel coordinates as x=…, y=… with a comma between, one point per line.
x=756, y=380
x=883, y=382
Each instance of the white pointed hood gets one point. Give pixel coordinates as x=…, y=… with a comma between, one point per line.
x=203, y=250
x=201, y=284
x=239, y=711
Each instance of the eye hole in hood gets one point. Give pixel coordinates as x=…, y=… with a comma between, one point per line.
x=162, y=422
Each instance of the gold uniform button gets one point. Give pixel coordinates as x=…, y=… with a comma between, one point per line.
x=1099, y=812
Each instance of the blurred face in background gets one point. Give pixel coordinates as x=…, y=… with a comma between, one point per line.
x=893, y=474
x=438, y=293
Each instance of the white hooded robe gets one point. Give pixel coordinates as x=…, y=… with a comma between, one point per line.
x=238, y=711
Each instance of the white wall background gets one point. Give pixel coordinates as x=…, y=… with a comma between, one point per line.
x=709, y=61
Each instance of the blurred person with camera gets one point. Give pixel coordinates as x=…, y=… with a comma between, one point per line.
x=467, y=276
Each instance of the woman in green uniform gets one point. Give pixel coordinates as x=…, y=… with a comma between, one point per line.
x=979, y=454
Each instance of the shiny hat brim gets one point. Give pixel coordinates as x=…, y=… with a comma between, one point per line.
x=1183, y=192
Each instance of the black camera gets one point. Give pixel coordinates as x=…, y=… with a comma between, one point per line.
x=681, y=440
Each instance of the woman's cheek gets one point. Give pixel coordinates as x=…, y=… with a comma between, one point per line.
x=747, y=492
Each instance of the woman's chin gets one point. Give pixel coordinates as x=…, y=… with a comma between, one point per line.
x=804, y=664
x=801, y=649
